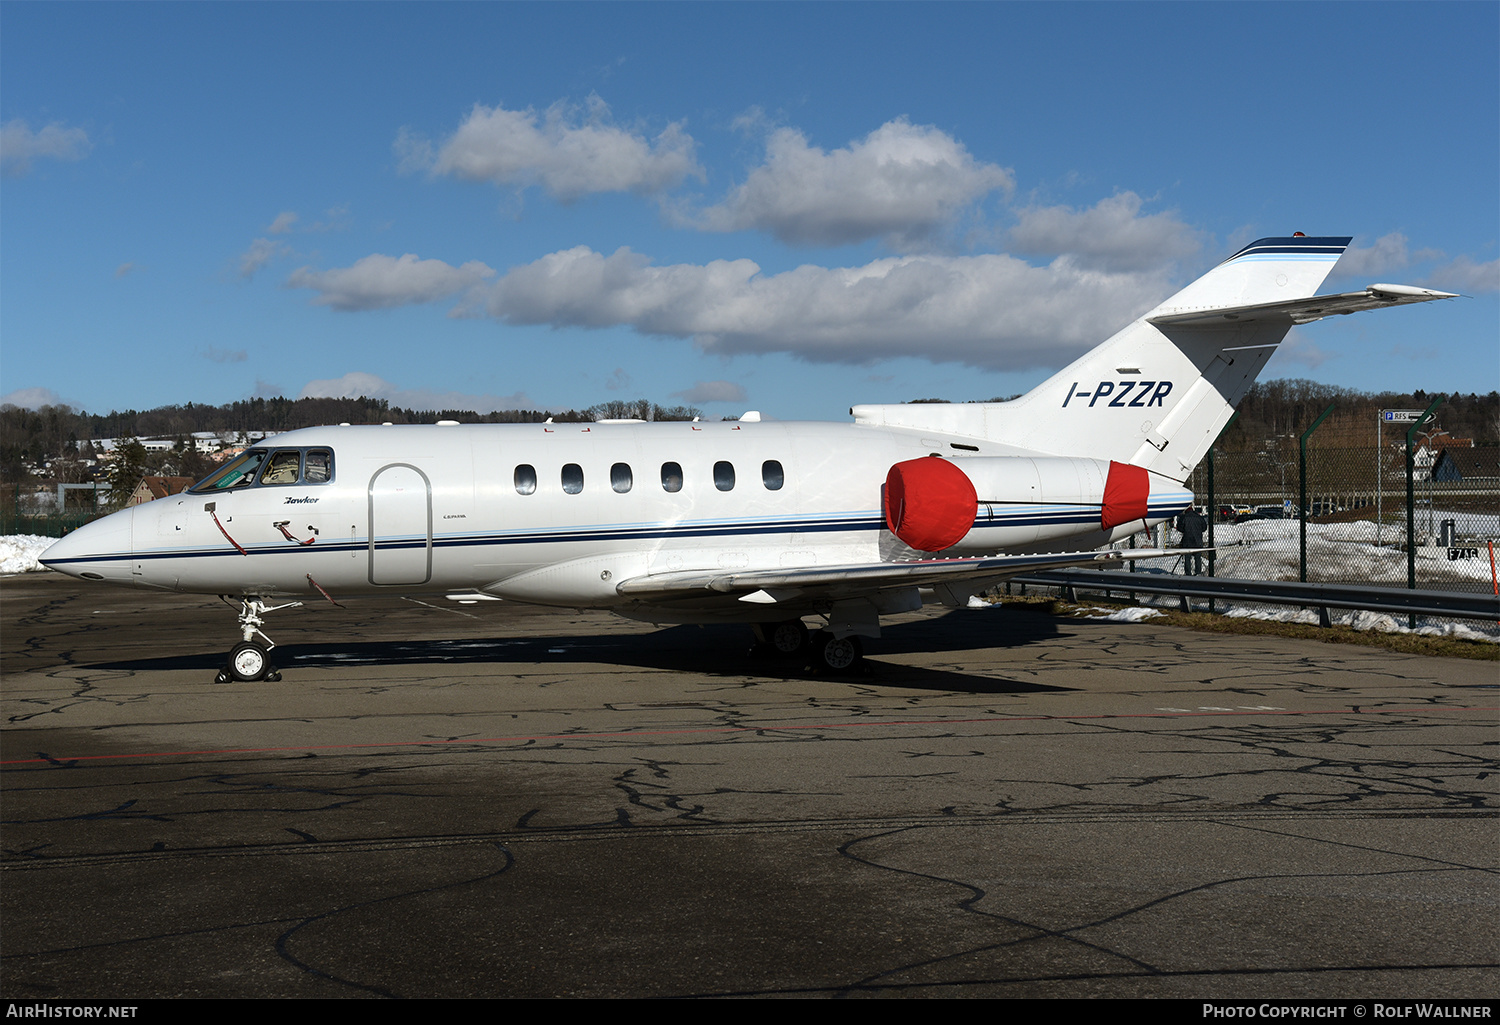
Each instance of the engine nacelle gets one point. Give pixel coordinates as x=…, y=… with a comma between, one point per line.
x=930, y=504
x=988, y=502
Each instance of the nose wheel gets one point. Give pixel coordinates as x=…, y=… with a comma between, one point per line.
x=247, y=663
x=250, y=660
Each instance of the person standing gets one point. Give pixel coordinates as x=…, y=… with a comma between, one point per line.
x=1192, y=525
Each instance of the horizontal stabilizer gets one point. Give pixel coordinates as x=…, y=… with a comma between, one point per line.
x=863, y=578
x=1301, y=311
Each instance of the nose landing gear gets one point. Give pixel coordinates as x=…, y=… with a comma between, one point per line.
x=250, y=660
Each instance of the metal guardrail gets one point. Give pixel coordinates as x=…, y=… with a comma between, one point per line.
x=1459, y=604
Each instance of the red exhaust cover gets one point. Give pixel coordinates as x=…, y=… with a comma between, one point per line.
x=1126, y=491
x=930, y=504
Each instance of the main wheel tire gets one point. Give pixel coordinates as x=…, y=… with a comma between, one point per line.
x=249, y=662
x=837, y=654
x=787, y=638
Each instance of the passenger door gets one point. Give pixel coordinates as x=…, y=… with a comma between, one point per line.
x=400, y=525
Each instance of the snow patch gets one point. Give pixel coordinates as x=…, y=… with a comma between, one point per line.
x=1135, y=615
x=19, y=552
x=1360, y=619
x=1347, y=552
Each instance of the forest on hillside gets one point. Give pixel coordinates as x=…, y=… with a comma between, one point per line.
x=33, y=437
x=1284, y=407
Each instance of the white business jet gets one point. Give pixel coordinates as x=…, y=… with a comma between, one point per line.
x=751, y=521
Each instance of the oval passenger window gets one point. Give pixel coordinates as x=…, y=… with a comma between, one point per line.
x=572, y=478
x=671, y=477
x=771, y=475
x=724, y=476
x=525, y=479
x=620, y=477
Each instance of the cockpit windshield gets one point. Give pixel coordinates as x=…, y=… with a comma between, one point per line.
x=263, y=466
x=237, y=474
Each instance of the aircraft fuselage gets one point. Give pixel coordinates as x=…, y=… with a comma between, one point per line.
x=562, y=513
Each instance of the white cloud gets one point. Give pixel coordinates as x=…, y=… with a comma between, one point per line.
x=31, y=398
x=357, y=384
x=712, y=391
x=902, y=181
x=19, y=145
x=993, y=311
x=1387, y=253
x=1391, y=253
x=352, y=385
x=261, y=252
x=282, y=224
x=1297, y=349
x=1111, y=234
x=336, y=218
x=568, y=152
x=1464, y=275
x=379, y=282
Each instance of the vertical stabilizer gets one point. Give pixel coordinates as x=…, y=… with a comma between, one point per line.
x=1157, y=393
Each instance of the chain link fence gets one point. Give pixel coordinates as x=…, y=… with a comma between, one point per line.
x=1341, y=502
x=1355, y=525
x=34, y=510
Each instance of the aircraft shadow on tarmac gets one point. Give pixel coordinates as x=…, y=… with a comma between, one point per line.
x=717, y=650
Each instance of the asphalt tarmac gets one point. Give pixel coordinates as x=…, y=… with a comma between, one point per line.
x=443, y=800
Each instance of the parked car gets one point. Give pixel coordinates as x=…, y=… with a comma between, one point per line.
x=1274, y=512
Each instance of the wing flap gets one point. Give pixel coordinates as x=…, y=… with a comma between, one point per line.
x=862, y=578
x=1304, y=311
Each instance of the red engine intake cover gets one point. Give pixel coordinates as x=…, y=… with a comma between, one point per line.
x=1126, y=492
x=929, y=503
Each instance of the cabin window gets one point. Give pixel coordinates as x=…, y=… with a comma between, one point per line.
x=284, y=467
x=318, y=468
x=620, y=477
x=724, y=475
x=771, y=475
x=526, y=479
x=572, y=478
x=671, y=477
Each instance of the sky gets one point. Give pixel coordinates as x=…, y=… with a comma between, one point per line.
x=783, y=207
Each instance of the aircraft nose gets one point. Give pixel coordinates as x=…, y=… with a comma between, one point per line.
x=96, y=551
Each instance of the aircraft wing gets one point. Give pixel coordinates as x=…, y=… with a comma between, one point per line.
x=775, y=585
x=1304, y=311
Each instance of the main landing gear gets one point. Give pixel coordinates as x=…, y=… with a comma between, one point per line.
x=838, y=656
x=250, y=660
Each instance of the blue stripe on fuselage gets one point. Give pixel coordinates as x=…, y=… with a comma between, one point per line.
x=1019, y=516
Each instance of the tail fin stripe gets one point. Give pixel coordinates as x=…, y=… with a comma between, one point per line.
x=1290, y=246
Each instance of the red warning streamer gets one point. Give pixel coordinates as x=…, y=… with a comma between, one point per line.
x=281, y=525
x=226, y=533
